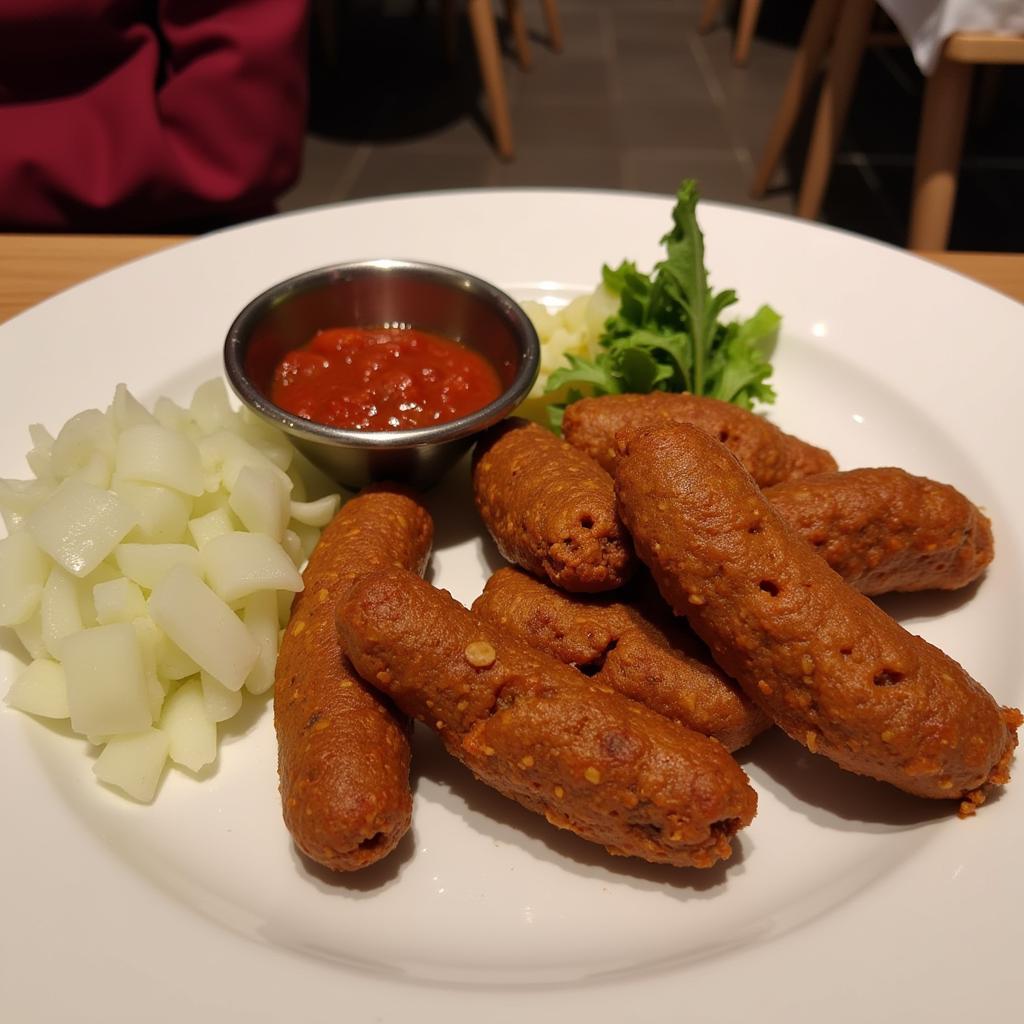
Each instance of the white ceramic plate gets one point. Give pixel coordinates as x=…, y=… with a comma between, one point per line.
x=846, y=900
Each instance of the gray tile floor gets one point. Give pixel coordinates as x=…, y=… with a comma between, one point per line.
x=638, y=100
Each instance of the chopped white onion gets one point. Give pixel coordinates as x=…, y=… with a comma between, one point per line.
x=79, y=525
x=206, y=510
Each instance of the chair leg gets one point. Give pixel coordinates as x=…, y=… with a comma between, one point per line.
x=481, y=19
x=847, y=52
x=517, y=22
x=709, y=15
x=554, y=23
x=749, y=11
x=813, y=44
x=939, y=145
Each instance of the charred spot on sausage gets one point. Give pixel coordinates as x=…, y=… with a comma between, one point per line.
x=888, y=677
x=592, y=667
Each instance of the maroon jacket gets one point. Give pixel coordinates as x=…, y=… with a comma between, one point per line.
x=148, y=114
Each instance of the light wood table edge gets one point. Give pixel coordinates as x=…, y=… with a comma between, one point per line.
x=36, y=267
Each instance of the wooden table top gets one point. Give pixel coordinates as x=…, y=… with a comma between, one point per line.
x=34, y=267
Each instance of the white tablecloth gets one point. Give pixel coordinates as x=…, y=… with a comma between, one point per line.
x=925, y=24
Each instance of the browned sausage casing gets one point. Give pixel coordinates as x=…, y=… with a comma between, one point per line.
x=538, y=731
x=628, y=646
x=550, y=509
x=768, y=454
x=343, y=755
x=830, y=667
x=884, y=530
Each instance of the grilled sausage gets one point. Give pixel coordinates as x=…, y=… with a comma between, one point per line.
x=830, y=667
x=538, y=731
x=768, y=454
x=549, y=508
x=885, y=530
x=628, y=646
x=343, y=755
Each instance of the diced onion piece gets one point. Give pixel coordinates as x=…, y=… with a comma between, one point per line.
x=260, y=500
x=308, y=537
x=268, y=439
x=79, y=525
x=127, y=411
x=311, y=482
x=192, y=736
x=118, y=600
x=134, y=763
x=163, y=512
x=83, y=436
x=19, y=497
x=23, y=572
x=148, y=564
x=30, y=635
x=260, y=617
x=213, y=524
x=41, y=437
x=103, y=573
x=238, y=564
x=96, y=470
x=293, y=547
x=40, y=690
x=155, y=455
x=316, y=513
x=204, y=627
x=172, y=662
x=38, y=458
x=219, y=703
x=106, y=679
x=224, y=454
x=149, y=634
x=211, y=410
x=59, y=608
x=169, y=414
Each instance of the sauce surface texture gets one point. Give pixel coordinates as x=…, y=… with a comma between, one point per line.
x=382, y=378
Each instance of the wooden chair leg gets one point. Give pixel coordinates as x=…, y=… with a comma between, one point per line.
x=939, y=145
x=709, y=15
x=847, y=52
x=485, y=36
x=517, y=22
x=749, y=11
x=554, y=24
x=813, y=44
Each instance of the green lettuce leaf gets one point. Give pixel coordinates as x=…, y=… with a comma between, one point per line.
x=668, y=335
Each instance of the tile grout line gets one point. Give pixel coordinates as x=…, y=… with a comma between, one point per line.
x=356, y=166
x=615, y=96
x=707, y=71
x=714, y=87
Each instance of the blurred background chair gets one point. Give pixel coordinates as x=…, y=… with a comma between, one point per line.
x=747, y=22
x=943, y=123
x=485, y=38
x=839, y=31
x=484, y=30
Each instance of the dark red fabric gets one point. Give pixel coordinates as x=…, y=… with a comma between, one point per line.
x=129, y=115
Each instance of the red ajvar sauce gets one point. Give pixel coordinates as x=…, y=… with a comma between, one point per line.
x=382, y=378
